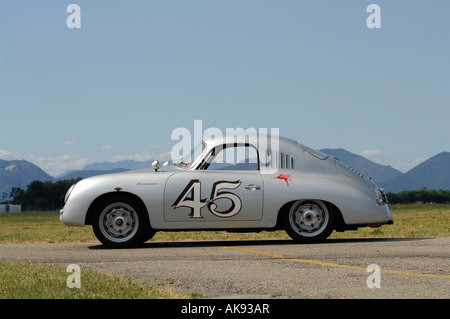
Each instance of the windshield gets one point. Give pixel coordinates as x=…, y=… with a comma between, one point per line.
x=186, y=162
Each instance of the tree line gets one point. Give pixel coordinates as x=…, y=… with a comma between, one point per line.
x=40, y=195
x=420, y=195
x=50, y=195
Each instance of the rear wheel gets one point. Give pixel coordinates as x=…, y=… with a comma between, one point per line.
x=121, y=223
x=309, y=221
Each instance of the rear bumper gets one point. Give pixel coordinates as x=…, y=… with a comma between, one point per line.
x=389, y=222
x=373, y=225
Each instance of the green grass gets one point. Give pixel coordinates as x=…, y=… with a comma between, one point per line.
x=413, y=220
x=21, y=280
x=40, y=227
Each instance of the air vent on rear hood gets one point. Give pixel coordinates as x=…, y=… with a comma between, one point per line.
x=348, y=170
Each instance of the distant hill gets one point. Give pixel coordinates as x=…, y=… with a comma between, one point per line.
x=89, y=173
x=125, y=164
x=434, y=173
x=19, y=173
x=377, y=172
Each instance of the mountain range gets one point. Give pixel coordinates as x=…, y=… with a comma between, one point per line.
x=19, y=173
x=434, y=173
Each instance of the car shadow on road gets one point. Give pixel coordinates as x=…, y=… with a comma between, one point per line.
x=256, y=242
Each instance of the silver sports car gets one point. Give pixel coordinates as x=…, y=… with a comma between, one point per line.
x=234, y=183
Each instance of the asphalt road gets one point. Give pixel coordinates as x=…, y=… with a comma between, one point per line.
x=406, y=267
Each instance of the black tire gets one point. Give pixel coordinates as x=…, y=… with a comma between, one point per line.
x=309, y=221
x=121, y=223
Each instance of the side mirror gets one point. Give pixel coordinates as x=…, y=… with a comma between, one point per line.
x=155, y=165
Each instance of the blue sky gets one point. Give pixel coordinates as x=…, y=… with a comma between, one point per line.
x=118, y=86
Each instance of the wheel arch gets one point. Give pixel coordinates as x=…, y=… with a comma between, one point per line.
x=339, y=219
x=124, y=196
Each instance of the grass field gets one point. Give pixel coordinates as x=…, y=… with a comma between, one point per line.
x=27, y=280
x=23, y=280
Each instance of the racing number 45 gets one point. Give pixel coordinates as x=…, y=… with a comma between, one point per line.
x=191, y=197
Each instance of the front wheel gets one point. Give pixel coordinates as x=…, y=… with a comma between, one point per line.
x=121, y=224
x=309, y=221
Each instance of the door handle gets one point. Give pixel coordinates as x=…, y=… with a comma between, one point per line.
x=252, y=187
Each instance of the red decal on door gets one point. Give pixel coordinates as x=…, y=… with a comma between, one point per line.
x=285, y=177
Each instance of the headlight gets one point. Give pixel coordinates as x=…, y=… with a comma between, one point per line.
x=68, y=193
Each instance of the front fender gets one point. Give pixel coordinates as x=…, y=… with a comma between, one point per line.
x=148, y=186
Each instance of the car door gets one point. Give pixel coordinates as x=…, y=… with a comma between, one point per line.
x=219, y=192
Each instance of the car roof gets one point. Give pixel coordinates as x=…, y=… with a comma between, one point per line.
x=244, y=138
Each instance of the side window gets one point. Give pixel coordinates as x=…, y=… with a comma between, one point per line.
x=233, y=157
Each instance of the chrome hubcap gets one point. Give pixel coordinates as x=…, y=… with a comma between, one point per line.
x=309, y=218
x=119, y=222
